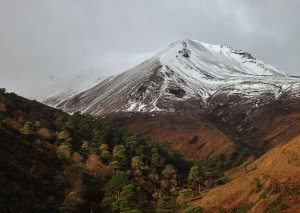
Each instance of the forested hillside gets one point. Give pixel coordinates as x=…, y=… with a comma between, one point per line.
x=55, y=162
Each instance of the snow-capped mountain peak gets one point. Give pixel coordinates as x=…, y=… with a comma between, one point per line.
x=204, y=60
x=184, y=76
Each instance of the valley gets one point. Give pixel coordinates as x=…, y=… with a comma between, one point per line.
x=196, y=128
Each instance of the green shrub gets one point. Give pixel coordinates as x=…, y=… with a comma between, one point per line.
x=166, y=204
x=266, y=192
x=295, y=190
x=193, y=209
x=222, y=181
x=243, y=208
x=27, y=129
x=277, y=205
x=258, y=183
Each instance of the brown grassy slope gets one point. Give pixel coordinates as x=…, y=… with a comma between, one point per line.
x=260, y=127
x=273, y=177
x=192, y=135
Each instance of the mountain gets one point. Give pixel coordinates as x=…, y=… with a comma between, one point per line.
x=181, y=77
x=221, y=91
x=221, y=109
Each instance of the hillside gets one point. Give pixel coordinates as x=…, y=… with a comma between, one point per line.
x=29, y=167
x=194, y=136
x=55, y=162
x=268, y=184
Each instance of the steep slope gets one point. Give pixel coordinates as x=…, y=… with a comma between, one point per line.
x=226, y=90
x=256, y=117
x=193, y=135
x=29, y=166
x=149, y=87
x=187, y=71
x=54, y=162
x=57, y=88
x=269, y=184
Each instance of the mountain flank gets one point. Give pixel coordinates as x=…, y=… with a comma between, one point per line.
x=223, y=92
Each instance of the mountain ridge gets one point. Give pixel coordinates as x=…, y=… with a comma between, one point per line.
x=225, y=105
x=186, y=71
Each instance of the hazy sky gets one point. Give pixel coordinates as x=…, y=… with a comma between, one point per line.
x=40, y=39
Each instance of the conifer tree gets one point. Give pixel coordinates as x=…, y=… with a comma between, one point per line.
x=27, y=129
x=194, y=177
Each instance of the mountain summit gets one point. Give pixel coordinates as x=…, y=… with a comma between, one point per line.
x=184, y=76
x=212, y=61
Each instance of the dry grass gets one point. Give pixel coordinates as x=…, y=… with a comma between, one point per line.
x=274, y=177
x=193, y=136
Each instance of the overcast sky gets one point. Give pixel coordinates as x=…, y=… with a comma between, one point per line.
x=40, y=39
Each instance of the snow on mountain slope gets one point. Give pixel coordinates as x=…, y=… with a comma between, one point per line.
x=55, y=88
x=60, y=89
x=213, y=61
x=181, y=77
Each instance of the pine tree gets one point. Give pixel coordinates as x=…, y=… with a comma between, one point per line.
x=166, y=204
x=119, y=157
x=72, y=203
x=27, y=129
x=63, y=137
x=131, y=200
x=184, y=197
x=116, y=183
x=195, y=177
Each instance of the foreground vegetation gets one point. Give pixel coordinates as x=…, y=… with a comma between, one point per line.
x=55, y=162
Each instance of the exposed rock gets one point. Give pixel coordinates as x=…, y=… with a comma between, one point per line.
x=177, y=91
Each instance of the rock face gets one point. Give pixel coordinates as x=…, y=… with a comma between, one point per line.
x=230, y=87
